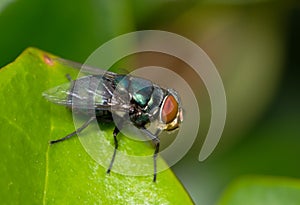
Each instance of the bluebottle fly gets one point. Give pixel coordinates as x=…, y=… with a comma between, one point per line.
x=149, y=107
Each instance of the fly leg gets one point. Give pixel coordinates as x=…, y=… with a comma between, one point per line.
x=156, y=142
x=69, y=77
x=75, y=132
x=115, y=133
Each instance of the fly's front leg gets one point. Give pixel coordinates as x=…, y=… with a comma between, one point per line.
x=75, y=132
x=156, y=142
x=115, y=133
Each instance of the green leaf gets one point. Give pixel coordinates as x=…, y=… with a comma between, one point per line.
x=4, y=4
x=33, y=172
x=262, y=190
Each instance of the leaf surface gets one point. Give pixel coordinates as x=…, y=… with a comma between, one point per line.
x=34, y=172
x=262, y=190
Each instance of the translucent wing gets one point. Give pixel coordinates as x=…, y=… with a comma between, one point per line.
x=93, y=92
x=89, y=70
x=59, y=94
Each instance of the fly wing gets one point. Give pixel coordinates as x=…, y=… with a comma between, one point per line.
x=93, y=92
x=89, y=70
x=59, y=94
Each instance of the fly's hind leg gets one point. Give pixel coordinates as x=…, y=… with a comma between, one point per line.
x=75, y=132
x=115, y=133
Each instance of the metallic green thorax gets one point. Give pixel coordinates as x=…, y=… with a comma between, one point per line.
x=146, y=96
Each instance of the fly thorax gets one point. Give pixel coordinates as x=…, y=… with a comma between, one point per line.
x=141, y=91
x=138, y=117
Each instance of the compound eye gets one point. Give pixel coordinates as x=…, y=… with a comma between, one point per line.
x=169, y=109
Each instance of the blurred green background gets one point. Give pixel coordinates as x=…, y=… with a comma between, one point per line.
x=254, y=45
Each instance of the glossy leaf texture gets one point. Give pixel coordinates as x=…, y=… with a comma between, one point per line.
x=262, y=190
x=34, y=172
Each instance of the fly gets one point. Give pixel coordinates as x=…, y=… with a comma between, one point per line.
x=149, y=107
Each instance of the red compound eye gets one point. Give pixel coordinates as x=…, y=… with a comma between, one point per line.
x=169, y=109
